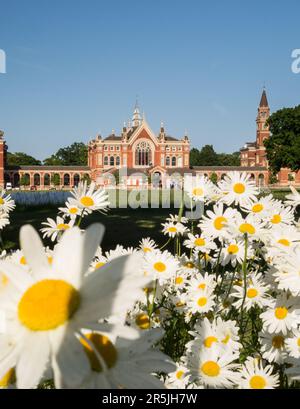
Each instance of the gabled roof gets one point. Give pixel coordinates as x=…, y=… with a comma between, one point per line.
x=113, y=138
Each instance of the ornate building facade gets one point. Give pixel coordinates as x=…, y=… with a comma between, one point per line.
x=139, y=154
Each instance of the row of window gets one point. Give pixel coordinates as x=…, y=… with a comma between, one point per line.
x=117, y=148
x=112, y=161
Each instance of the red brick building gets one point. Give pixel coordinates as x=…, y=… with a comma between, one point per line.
x=139, y=154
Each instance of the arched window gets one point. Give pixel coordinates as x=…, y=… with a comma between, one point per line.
x=174, y=161
x=36, y=179
x=46, y=179
x=167, y=161
x=76, y=179
x=112, y=161
x=118, y=161
x=16, y=179
x=66, y=179
x=105, y=160
x=143, y=154
x=261, y=179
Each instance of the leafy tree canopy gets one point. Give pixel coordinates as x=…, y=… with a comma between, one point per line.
x=73, y=155
x=283, y=146
x=21, y=158
x=208, y=157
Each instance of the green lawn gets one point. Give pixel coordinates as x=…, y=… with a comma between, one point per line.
x=123, y=226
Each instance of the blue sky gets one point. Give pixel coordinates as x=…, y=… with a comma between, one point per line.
x=74, y=68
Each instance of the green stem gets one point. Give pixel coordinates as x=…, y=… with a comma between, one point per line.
x=244, y=271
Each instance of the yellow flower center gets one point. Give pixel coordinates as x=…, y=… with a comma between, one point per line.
x=63, y=226
x=257, y=208
x=233, y=249
x=146, y=249
x=23, y=260
x=210, y=368
x=278, y=341
x=73, y=210
x=202, y=286
x=298, y=342
x=8, y=379
x=143, y=321
x=48, y=304
x=226, y=339
x=104, y=347
x=239, y=188
x=99, y=264
x=179, y=374
x=202, y=301
x=189, y=264
x=3, y=279
x=50, y=259
x=209, y=341
x=1, y=201
x=257, y=382
x=180, y=304
x=284, y=242
x=276, y=219
x=87, y=201
x=197, y=191
x=172, y=229
x=252, y=293
x=160, y=267
x=199, y=242
x=247, y=228
x=179, y=280
x=219, y=222
x=281, y=313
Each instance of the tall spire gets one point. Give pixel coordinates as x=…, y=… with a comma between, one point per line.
x=136, y=118
x=264, y=100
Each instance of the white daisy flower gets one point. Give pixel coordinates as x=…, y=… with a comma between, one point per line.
x=287, y=273
x=89, y=198
x=293, y=199
x=279, y=215
x=174, y=218
x=7, y=204
x=256, y=293
x=282, y=240
x=55, y=228
x=160, y=266
x=238, y=188
x=199, y=243
x=199, y=188
x=216, y=223
x=46, y=309
x=293, y=344
x=200, y=301
x=178, y=379
x=254, y=376
x=250, y=225
x=72, y=210
x=233, y=252
x=273, y=347
x=147, y=245
x=4, y=219
x=261, y=206
x=123, y=358
x=173, y=229
x=200, y=282
x=283, y=316
x=214, y=367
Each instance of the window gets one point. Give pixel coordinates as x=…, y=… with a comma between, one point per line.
x=174, y=161
x=106, y=148
x=111, y=148
x=117, y=148
x=143, y=154
x=173, y=148
x=118, y=161
x=112, y=161
x=167, y=161
x=168, y=148
x=105, y=160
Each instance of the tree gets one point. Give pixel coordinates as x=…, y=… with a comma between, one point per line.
x=214, y=178
x=86, y=177
x=208, y=156
x=283, y=146
x=25, y=180
x=21, y=158
x=229, y=159
x=73, y=155
x=55, y=179
x=194, y=157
